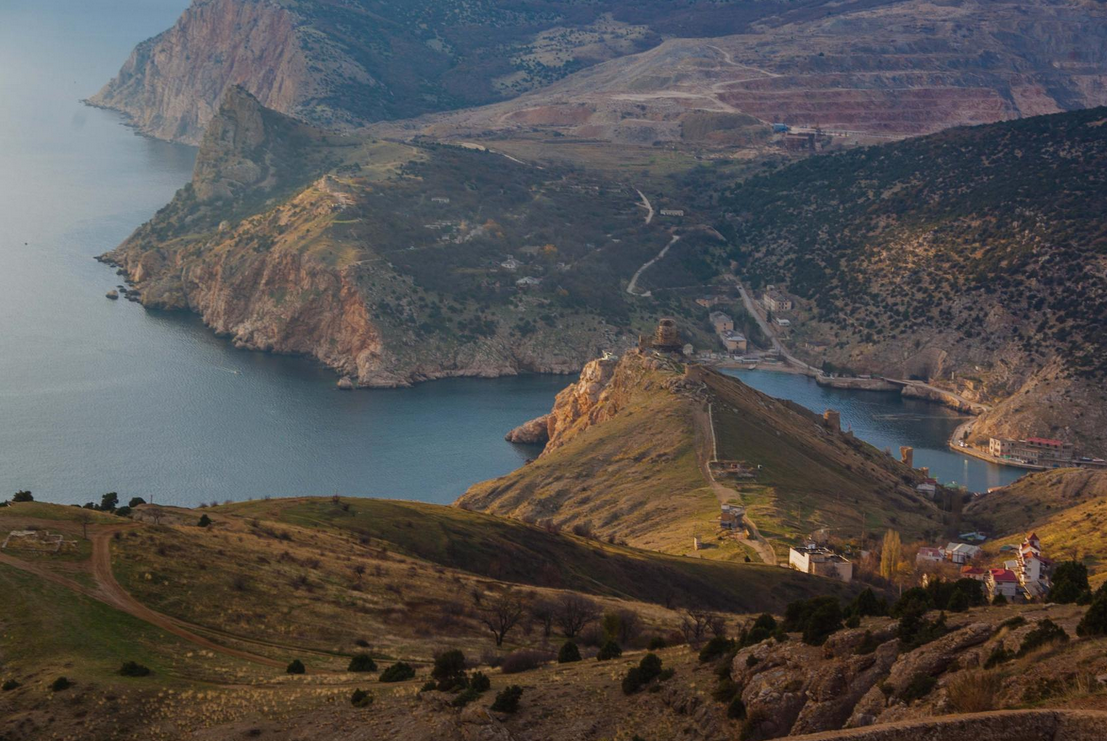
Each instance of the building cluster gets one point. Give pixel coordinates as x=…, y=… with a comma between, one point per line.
x=820, y=561
x=1040, y=452
x=733, y=341
x=1026, y=576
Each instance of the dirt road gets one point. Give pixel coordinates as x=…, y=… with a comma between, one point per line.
x=634, y=279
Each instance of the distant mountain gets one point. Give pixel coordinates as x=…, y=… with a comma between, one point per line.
x=894, y=67
x=342, y=64
x=975, y=258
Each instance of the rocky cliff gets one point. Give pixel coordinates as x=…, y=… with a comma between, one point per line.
x=386, y=261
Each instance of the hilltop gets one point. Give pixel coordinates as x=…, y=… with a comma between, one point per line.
x=629, y=452
x=400, y=262
x=973, y=259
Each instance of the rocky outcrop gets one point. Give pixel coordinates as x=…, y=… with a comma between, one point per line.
x=534, y=432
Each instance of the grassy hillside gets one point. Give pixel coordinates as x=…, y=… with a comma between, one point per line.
x=1067, y=508
x=974, y=257
x=632, y=467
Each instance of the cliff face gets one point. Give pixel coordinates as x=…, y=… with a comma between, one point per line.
x=294, y=240
x=172, y=84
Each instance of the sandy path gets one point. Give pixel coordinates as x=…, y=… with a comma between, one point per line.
x=645, y=266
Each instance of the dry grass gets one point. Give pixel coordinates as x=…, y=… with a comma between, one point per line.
x=975, y=692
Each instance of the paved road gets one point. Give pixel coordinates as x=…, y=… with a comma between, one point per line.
x=751, y=307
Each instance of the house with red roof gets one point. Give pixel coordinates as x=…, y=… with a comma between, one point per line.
x=1002, y=582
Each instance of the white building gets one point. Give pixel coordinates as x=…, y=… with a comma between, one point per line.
x=1002, y=582
x=721, y=322
x=962, y=553
x=821, y=561
x=930, y=555
x=1032, y=568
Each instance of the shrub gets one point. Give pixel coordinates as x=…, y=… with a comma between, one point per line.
x=361, y=699
x=59, y=684
x=429, y=686
x=1016, y=622
x=974, y=692
x=918, y=688
x=136, y=501
x=915, y=630
x=716, y=647
x=726, y=690
x=656, y=643
x=736, y=710
x=398, y=672
x=609, y=650
x=465, y=697
x=362, y=663
x=868, y=644
x=204, y=520
x=666, y=674
x=1070, y=581
x=999, y=599
x=632, y=681
x=999, y=655
x=825, y=619
x=524, y=660
x=480, y=682
x=23, y=496
x=867, y=604
x=9, y=685
x=133, y=669
x=1094, y=622
x=507, y=700
x=448, y=666
x=650, y=667
x=958, y=601
x=296, y=667
x=1044, y=633
x=914, y=599
x=568, y=653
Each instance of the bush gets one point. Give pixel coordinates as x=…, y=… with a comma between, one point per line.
x=568, y=653
x=1094, y=622
x=914, y=599
x=480, y=682
x=524, y=660
x=135, y=502
x=656, y=643
x=429, y=686
x=448, y=666
x=9, y=685
x=23, y=496
x=736, y=710
x=296, y=667
x=133, y=669
x=918, y=688
x=1070, y=581
x=507, y=701
x=867, y=604
x=974, y=692
x=361, y=699
x=1044, y=633
x=362, y=663
x=398, y=672
x=999, y=599
x=650, y=666
x=609, y=650
x=59, y=684
x=915, y=630
x=726, y=690
x=632, y=681
x=958, y=601
x=204, y=520
x=716, y=647
x=868, y=644
x=123, y=512
x=823, y=620
x=999, y=655
x=465, y=697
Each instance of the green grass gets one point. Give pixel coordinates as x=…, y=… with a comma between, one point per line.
x=61, y=512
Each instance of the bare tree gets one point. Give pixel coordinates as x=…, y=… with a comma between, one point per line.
x=695, y=624
x=84, y=518
x=501, y=613
x=544, y=611
x=574, y=613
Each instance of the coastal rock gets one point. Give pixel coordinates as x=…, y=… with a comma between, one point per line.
x=534, y=432
x=346, y=383
x=113, y=294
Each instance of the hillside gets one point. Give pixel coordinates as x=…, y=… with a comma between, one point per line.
x=342, y=64
x=974, y=258
x=627, y=459
x=873, y=71
x=1066, y=508
x=215, y=614
x=395, y=263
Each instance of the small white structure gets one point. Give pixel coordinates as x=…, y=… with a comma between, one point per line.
x=528, y=281
x=782, y=323
x=440, y=199
x=961, y=553
x=927, y=489
x=510, y=264
x=672, y=212
x=821, y=561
